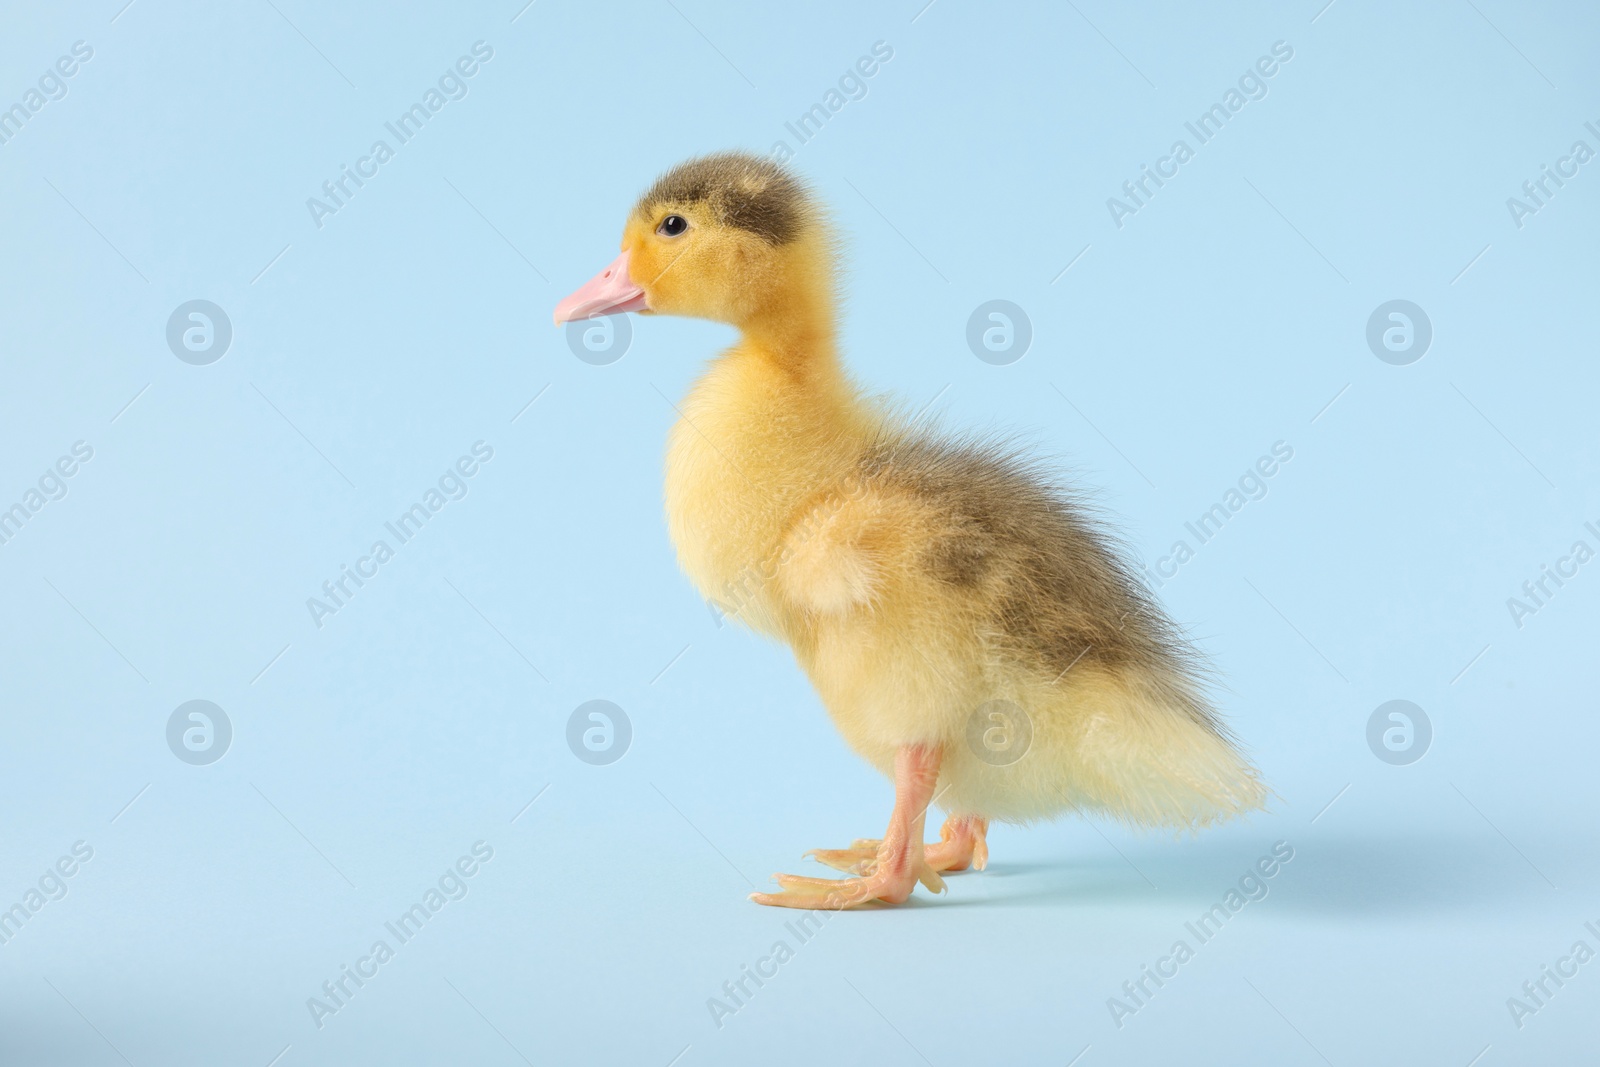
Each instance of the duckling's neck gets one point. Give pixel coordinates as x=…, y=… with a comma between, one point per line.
x=795, y=334
x=800, y=345
x=773, y=423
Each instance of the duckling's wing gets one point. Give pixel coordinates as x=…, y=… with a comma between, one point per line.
x=999, y=525
x=1077, y=638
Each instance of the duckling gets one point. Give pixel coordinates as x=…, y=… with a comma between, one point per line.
x=971, y=629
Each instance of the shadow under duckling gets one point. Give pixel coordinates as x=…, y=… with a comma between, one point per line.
x=971, y=631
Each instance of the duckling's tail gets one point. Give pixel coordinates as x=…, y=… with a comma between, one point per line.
x=1152, y=753
x=1138, y=745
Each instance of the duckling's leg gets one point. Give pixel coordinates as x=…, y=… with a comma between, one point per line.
x=962, y=844
x=900, y=863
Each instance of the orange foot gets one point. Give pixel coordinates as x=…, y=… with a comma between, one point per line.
x=883, y=886
x=962, y=844
x=891, y=868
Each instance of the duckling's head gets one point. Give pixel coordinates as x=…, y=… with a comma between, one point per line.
x=731, y=237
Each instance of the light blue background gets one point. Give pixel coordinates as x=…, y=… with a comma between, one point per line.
x=425, y=715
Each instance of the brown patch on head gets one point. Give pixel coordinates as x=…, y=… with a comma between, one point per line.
x=741, y=190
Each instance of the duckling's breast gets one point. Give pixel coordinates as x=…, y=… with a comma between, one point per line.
x=754, y=444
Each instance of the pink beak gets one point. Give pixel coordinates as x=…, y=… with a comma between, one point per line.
x=611, y=292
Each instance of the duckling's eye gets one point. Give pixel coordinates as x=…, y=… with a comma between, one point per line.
x=672, y=226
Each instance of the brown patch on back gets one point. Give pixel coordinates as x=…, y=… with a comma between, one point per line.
x=1047, y=577
x=958, y=560
x=742, y=190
